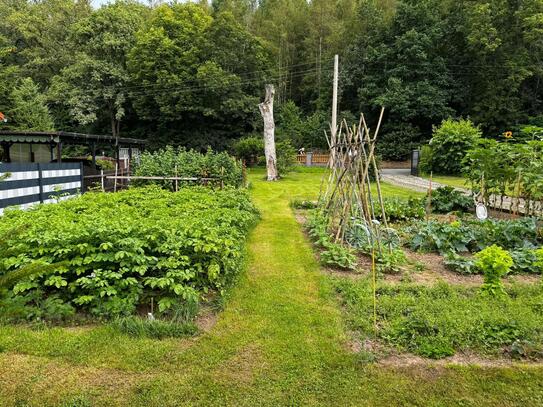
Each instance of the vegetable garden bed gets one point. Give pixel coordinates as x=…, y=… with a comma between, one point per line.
x=110, y=255
x=447, y=283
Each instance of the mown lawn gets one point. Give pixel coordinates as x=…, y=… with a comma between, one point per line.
x=281, y=340
x=453, y=181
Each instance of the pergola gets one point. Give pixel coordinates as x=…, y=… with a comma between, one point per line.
x=56, y=139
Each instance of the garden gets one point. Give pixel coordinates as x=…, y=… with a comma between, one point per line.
x=143, y=259
x=424, y=276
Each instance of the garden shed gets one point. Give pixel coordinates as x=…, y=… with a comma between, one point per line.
x=45, y=147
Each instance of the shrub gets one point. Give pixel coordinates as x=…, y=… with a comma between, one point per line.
x=447, y=199
x=398, y=209
x=495, y=263
x=426, y=157
x=106, y=254
x=286, y=157
x=169, y=161
x=450, y=143
x=249, y=149
x=397, y=141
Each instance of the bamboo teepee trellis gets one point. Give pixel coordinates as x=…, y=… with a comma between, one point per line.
x=346, y=197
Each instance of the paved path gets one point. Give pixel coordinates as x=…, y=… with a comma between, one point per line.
x=403, y=178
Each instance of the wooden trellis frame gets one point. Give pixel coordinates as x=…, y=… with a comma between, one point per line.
x=346, y=195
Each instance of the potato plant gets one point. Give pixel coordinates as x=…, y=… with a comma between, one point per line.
x=108, y=254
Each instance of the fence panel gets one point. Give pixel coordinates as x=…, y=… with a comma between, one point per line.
x=31, y=183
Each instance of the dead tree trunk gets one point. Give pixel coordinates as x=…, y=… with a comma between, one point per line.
x=266, y=109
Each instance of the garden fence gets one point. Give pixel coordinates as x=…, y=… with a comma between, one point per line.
x=310, y=159
x=26, y=184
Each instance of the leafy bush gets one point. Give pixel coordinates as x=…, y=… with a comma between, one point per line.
x=106, y=254
x=459, y=264
x=249, y=149
x=495, y=263
x=450, y=143
x=437, y=321
x=497, y=169
x=286, y=157
x=426, y=157
x=447, y=199
x=168, y=162
x=398, y=209
x=397, y=141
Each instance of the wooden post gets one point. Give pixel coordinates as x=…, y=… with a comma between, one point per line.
x=115, y=180
x=429, y=207
x=102, y=180
x=93, y=153
x=59, y=151
x=266, y=109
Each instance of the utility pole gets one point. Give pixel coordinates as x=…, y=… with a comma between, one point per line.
x=334, y=96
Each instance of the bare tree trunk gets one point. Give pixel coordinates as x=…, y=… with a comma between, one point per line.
x=266, y=109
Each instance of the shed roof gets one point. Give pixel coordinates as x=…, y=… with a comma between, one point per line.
x=35, y=137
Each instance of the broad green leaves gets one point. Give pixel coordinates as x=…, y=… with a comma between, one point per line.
x=110, y=253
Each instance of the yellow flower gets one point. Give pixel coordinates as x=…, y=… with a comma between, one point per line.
x=508, y=134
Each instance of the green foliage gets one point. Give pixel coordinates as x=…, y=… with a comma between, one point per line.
x=169, y=161
x=286, y=157
x=303, y=204
x=397, y=141
x=473, y=235
x=495, y=263
x=155, y=329
x=333, y=254
x=426, y=159
x=507, y=169
x=450, y=142
x=440, y=320
x=539, y=261
x=97, y=81
x=110, y=253
x=29, y=110
x=459, y=264
x=307, y=132
x=398, y=209
x=391, y=261
x=447, y=199
x=249, y=149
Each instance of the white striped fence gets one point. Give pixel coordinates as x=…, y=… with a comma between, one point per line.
x=28, y=184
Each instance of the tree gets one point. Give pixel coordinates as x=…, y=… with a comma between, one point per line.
x=198, y=75
x=29, y=110
x=97, y=83
x=39, y=32
x=266, y=109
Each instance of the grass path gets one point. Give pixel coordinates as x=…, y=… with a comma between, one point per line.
x=279, y=341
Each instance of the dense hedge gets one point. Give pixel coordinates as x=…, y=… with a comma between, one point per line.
x=108, y=254
x=169, y=162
